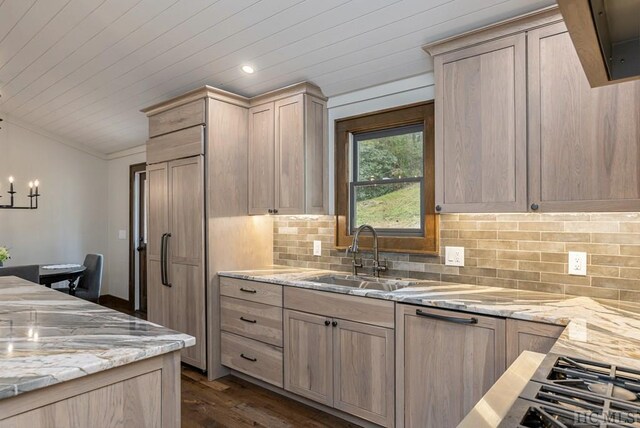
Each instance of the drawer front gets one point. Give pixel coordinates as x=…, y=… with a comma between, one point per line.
x=352, y=308
x=261, y=292
x=177, y=145
x=181, y=117
x=254, y=358
x=254, y=320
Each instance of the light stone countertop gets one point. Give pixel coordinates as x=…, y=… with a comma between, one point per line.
x=48, y=337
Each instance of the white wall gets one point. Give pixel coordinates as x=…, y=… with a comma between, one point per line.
x=118, y=219
x=72, y=215
x=393, y=94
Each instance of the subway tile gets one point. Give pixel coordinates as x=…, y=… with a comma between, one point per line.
x=480, y=253
x=630, y=296
x=467, y=243
x=630, y=250
x=519, y=275
x=498, y=264
x=519, y=236
x=462, y=279
x=476, y=217
x=497, y=282
x=453, y=234
x=565, y=236
x=477, y=234
x=541, y=286
x=616, y=238
x=557, y=278
x=475, y=271
x=553, y=257
x=409, y=266
x=518, y=255
x=550, y=247
x=630, y=273
x=592, y=226
x=610, y=249
x=527, y=217
x=498, y=245
x=565, y=217
x=540, y=226
x=617, y=283
x=594, y=292
x=623, y=217
x=622, y=261
x=542, y=267
x=610, y=271
x=497, y=225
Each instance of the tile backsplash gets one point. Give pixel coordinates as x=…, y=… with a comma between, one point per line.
x=523, y=251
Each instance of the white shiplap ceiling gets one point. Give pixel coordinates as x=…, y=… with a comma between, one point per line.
x=82, y=69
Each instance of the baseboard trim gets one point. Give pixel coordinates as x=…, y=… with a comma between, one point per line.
x=113, y=301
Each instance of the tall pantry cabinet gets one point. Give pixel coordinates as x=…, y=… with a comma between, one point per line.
x=198, y=224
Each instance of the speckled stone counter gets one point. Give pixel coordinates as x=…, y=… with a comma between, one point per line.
x=48, y=337
x=601, y=330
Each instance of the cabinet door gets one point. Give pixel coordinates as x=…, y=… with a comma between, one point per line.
x=186, y=255
x=290, y=162
x=158, y=225
x=584, y=143
x=530, y=336
x=261, y=159
x=446, y=363
x=363, y=373
x=308, y=356
x=480, y=156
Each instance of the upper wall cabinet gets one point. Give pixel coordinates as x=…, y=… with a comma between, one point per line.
x=480, y=157
x=584, y=143
x=288, y=153
x=545, y=141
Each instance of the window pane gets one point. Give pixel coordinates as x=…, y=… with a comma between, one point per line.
x=388, y=206
x=389, y=154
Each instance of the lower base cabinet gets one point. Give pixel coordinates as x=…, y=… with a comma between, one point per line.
x=343, y=364
x=447, y=361
x=530, y=336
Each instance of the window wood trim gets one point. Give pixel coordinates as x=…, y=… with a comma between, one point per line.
x=405, y=115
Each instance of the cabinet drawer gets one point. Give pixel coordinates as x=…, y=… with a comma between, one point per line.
x=261, y=292
x=352, y=308
x=254, y=320
x=177, y=145
x=181, y=117
x=254, y=358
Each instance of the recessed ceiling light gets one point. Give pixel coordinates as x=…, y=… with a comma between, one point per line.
x=248, y=69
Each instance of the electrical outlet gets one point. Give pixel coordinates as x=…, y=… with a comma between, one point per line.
x=454, y=256
x=317, y=248
x=577, y=263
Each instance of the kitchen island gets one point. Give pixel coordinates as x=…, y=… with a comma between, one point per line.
x=68, y=362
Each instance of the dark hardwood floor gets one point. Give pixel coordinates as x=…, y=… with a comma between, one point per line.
x=231, y=402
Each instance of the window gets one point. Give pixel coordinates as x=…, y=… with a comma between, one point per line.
x=385, y=178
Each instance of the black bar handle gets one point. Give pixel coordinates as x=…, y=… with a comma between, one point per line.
x=248, y=320
x=249, y=358
x=162, y=265
x=248, y=290
x=166, y=261
x=457, y=320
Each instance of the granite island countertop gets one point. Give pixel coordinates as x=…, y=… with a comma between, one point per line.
x=601, y=330
x=48, y=337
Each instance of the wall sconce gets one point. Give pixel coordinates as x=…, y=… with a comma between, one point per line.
x=33, y=196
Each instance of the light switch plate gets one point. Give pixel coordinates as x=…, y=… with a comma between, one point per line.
x=317, y=248
x=122, y=234
x=454, y=256
x=577, y=263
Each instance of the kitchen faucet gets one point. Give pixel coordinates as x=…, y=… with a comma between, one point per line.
x=353, y=249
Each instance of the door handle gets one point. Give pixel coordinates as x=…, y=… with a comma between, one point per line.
x=456, y=320
x=166, y=260
x=162, y=254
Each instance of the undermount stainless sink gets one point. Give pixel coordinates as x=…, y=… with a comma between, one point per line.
x=363, y=282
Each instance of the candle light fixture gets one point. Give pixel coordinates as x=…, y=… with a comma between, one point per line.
x=33, y=195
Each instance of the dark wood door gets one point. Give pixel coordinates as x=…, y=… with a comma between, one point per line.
x=142, y=241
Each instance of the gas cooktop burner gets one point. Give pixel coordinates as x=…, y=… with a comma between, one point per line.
x=573, y=392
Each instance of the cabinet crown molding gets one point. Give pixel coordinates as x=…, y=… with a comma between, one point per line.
x=527, y=21
x=231, y=98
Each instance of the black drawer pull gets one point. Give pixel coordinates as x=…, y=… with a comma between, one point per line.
x=253, y=360
x=248, y=320
x=472, y=320
x=248, y=290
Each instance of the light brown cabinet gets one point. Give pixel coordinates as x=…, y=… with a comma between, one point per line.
x=339, y=362
x=288, y=155
x=584, y=143
x=446, y=362
x=480, y=131
x=530, y=336
x=518, y=127
x=176, y=251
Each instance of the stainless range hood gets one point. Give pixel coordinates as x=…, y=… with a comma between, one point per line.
x=606, y=34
